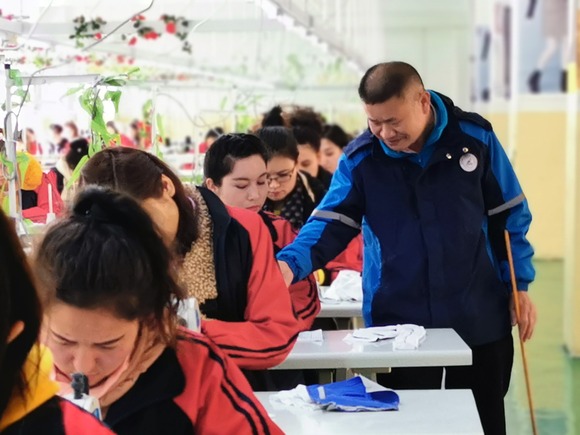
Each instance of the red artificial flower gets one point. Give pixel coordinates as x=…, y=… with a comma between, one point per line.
x=151, y=35
x=78, y=58
x=98, y=35
x=138, y=18
x=120, y=58
x=170, y=27
x=133, y=40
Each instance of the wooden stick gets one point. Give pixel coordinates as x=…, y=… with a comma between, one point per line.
x=508, y=245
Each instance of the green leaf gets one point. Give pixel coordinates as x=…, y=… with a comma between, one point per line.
x=133, y=70
x=115, y=97
x=15, y=77
x=114, y=81
x=160, y=126
x=77, y=172
x=73, y=90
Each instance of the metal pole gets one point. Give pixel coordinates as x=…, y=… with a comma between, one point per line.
x=14, y=205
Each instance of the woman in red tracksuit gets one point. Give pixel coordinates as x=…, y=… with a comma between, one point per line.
x=28, y=401
x=235, y=170
x=225, y=256
x=111, y=313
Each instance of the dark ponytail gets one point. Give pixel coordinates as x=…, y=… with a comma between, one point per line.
x=107, y=254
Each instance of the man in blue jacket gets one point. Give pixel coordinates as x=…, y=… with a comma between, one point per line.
x=433, y=191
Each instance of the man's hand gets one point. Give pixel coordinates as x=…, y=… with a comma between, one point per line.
x=286, y=272
x=528, y=315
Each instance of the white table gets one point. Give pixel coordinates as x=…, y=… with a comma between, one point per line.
x=441, y=347
x=449, y=412
x=340, y=309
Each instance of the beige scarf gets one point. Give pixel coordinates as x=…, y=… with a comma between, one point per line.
x=197, y=272
x=147, y=349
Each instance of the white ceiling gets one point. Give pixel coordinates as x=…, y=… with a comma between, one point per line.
x=243, y=39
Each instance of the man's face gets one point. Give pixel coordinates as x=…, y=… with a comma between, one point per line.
x=401, y=121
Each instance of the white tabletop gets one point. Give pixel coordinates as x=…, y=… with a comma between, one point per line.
x=423, y=412
x=441, y=347
x=340, y=309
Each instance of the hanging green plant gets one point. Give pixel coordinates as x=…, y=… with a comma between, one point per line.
x=87, y=29
x=91, y=99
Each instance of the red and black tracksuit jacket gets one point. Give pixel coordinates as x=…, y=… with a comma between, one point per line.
x=192, y=389
x=252, y=316
x=57, y=416
x=304, y=293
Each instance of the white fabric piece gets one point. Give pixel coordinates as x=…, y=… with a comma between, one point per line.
x=311, y=336
x=409, y=337
x=298, y=397
x=347, y=286
x=406, y=337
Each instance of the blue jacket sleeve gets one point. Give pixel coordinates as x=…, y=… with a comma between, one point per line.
x=334, y=223
x=507, y=208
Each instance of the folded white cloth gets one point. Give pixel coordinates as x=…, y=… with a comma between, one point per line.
x=347, y=286
x=310, y=336
x=406, y=337
x=409, y=337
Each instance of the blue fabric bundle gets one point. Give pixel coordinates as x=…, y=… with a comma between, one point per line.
x=352, y=396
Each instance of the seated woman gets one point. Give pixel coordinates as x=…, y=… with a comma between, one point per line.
x=235, y=170
x=334, y=140
x=225, y=256
x=36, y=189
x=28, y=401
x=111, y=313
x=294, y=195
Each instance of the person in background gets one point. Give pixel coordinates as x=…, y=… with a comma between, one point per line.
x=210, y=138
x=71, y=131
x=58, y=143
x=436, y=192
x=334, y=140
x=224, y=255
x=66, y=165
x=235, y=170
x=111, y=300
x=35, y=189
x=32, y=145
x=292, y=193
x=307, y=126
x=124, y=140
x=29, y=404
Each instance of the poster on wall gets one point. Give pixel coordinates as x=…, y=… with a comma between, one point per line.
x=481, y=64
x=501, y=38
x=543, y=42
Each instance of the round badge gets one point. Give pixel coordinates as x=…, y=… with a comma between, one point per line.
x=468, y=162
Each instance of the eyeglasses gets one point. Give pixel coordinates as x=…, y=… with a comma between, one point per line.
x=281, y=177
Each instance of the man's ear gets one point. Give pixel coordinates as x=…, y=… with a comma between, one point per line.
x=15, y=331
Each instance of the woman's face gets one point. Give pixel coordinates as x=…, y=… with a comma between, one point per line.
x=281, y=177
x=164, y=212
x=308, y=159
x=329, y=155
x=246, y=186
x=92, y=341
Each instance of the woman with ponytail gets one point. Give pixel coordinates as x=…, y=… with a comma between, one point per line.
x=224, y=256
x=111, y=313
x=28, y=401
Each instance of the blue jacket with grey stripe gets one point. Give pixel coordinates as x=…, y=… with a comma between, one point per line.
x=433, y=227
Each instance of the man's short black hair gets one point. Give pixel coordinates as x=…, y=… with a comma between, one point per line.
x=387, y=80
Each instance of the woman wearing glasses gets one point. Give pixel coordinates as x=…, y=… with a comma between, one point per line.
x=292, y=194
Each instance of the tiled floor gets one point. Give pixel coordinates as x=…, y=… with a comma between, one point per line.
x=555, y=377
